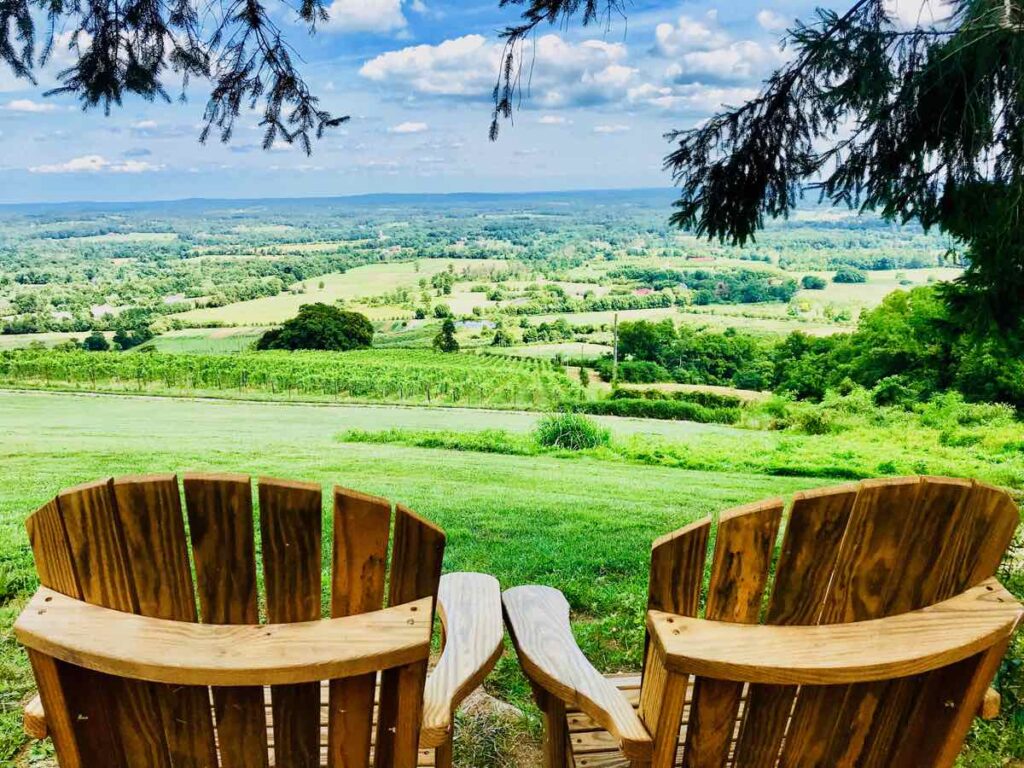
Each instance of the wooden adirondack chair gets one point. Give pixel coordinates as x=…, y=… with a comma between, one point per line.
x=882, y=633
x=128, y=677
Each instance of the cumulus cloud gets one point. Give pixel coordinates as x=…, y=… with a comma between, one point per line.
x=380, y=16
x=701, y=52
x=409, y=127
x=553, y=120
x=689, y=34
x=615, y=128
x=96, y=164
x=563, y=73
x=27, y=105
x=771, y=21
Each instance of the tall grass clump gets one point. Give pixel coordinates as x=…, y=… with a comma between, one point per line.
x=571, y=431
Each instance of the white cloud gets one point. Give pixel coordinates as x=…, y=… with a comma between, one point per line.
x=562, y=73
x=145, y=125
x=616, y=128
x=409, y=127
x=553, y=120
x=771, y=21
x=743, y=60
x=27, y=105
x=689, y=34
x=701, y=52
x=96, y=164
x=366, y=16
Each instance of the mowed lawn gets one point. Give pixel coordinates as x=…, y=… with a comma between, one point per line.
x=582, y=525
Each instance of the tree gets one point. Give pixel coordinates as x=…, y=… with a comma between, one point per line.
x=442, y=311
x=96, y=342
x=132, y=328
x=121, y=49
x=921, y=123
x=445, y=341
x=502, y=337
x=320, y=326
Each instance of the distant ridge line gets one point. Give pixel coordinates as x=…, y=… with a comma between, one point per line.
x=372, y=198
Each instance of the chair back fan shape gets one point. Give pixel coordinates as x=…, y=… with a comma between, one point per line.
x=848, y=554
x=129, y=544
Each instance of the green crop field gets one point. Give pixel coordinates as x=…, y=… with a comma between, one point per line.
x=582, y=524
x=396, y=376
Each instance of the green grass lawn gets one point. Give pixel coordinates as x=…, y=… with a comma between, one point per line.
x=583, y=525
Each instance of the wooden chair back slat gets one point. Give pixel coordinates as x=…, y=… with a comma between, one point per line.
x=220, y=521
x=362, y=525
x=291, y=522
x=677, y=573
x=78, y=720
x=89, y=513
x=739, y=572
x=416, y=562
x=153, y=528
x=814, y=531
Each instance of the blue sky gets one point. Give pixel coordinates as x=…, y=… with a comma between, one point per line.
x=416, y=76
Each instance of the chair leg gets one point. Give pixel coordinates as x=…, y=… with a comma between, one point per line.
x=557, y=752
x=443, y=755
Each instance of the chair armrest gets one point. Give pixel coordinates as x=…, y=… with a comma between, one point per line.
x=469, y=605
x=881, y=649
x=538, y=620
x=185, y=653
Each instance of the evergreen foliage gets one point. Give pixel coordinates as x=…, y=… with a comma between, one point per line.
x=921, y=123
x=121, y=49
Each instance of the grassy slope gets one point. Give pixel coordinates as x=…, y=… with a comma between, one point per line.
x=583, y=525
x=525, y=519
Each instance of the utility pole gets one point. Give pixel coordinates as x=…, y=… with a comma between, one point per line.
x=615, y=349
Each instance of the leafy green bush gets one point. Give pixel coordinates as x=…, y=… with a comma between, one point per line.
x=643, y=372
x=849, y=275
x=815, y=421
x=571, y=431
x=813, y=283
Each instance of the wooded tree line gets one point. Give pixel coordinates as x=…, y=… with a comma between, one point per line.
x=906, y=350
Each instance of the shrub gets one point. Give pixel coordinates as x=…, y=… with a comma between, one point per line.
x=813, y=283
x=571, y=431
x=849, y=275
x=442, y=311
x=320, y=326
x=643, y=372
x=815, y=421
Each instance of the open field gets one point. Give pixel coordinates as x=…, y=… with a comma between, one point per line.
x=359, y=282
x=582, y=524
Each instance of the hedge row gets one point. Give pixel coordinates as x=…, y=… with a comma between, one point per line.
x=672, y=410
